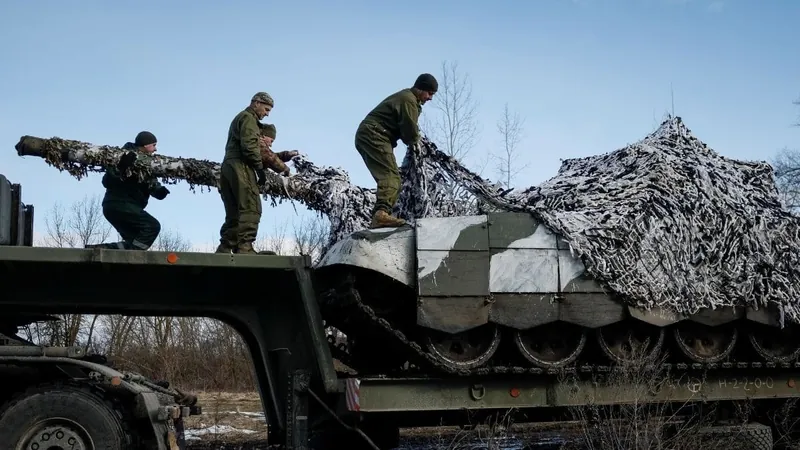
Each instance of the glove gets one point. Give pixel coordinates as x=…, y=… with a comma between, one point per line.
x=272, y=161
x=261, y=177
x=287, y=155
x=126, y=161
x=161, y=193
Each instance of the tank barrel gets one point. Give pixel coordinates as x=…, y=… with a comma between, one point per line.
x=323, y=189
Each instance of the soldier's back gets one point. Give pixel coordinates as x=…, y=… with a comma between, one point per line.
x=233, y=147
x=388, y=112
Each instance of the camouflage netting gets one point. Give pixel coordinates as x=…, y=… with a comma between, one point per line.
x=663, y=222
x=325, y=190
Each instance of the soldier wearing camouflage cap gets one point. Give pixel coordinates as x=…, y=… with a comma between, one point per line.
x=241, y=174
x=394, y=118
x=274, y=160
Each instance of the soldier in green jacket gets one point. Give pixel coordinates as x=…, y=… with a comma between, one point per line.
x=126, y=198
x=396, y=117
x=241, y=174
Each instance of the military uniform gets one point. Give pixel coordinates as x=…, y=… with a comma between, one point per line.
x=238, y=184
x=275, y=160
x=127, y=197
x=396, y=117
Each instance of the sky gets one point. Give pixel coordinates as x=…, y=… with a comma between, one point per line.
x=588, y=77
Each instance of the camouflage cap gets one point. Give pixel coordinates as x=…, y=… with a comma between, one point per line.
x=263, y=97
x=268, y=129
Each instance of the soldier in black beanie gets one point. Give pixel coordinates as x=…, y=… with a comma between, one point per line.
x=127, y=197
x=396, y=117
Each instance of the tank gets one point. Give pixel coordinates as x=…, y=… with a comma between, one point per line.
x=662, y=251
x=503, y=291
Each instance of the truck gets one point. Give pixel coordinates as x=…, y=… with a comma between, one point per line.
x=412, y=354
x=56, y=397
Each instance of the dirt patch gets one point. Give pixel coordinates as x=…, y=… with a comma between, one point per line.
x=228, y=417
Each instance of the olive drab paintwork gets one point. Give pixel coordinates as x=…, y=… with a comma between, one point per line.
x=237, y=184
x=396, y=117
x=124, y=203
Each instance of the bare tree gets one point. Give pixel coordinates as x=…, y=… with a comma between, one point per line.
x=79, y=224
x=510, y=127
x=787, y=174
x=455, y=127
x=171, y=241
x=82, y=224
x=276, y=241
x=311, y=236
x=787, y=177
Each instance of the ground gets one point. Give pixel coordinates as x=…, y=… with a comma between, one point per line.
x=235, y=421
x=231, y=420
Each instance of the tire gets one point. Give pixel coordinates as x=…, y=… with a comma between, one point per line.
x=61, y=415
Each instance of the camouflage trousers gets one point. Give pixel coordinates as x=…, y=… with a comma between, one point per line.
x=242, y=201
x=137, y=227
x=378, y=154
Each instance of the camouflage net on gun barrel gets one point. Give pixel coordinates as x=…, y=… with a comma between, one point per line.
x=326, y=190
x=664, y=222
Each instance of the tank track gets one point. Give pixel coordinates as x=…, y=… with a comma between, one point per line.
x=362, y=317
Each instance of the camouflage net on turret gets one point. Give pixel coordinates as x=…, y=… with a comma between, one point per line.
x=662, y=222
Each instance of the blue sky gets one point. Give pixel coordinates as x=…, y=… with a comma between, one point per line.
x=589, y=76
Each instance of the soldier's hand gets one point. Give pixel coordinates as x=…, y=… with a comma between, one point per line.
x=161, y=193
x=287, y=155
x=261, y=177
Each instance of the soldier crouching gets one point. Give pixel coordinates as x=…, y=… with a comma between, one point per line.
x=127, y=197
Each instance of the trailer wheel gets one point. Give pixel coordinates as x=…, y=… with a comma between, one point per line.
x=62, y=416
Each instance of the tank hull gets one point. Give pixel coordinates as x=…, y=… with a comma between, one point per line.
x=510, y=274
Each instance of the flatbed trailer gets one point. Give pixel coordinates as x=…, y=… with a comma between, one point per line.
x=271, y=302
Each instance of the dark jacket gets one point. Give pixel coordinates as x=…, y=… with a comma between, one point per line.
x=128, y=190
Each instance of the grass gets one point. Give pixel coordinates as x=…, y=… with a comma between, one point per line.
x=229, y=417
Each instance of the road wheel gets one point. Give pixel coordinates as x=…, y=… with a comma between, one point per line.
x=62, y=416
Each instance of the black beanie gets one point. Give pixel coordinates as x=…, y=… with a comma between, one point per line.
x=426, y=82
x=145, y=138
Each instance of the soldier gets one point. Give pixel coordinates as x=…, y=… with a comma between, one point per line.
x=273, y=160
x=241, y=174
x=126, y=198
x=394, y=118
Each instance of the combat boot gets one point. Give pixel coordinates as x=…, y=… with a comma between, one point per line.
x=246, y=248
x=383, y=219
x=223, y=248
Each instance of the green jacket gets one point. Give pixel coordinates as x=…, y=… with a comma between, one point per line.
x=243, y=137
x=398, y=114
x=120, y=189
